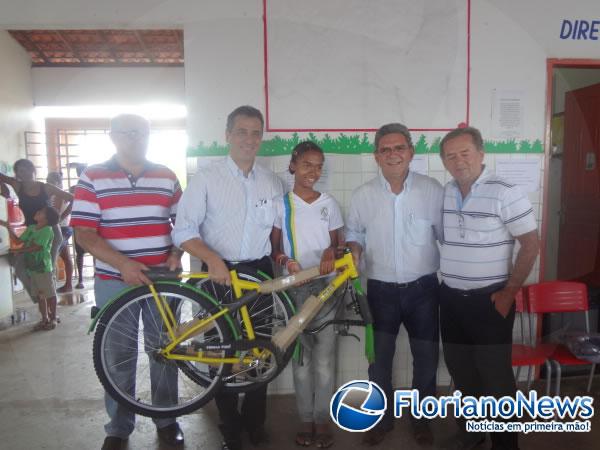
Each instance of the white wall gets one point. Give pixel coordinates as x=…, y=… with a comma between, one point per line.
x=16, y=107
x=223, y=66
x=16, y=103
x=82, y=14
x=74, y=86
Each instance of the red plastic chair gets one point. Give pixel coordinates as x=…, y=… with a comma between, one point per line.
x=561, y=297
x=525, y=353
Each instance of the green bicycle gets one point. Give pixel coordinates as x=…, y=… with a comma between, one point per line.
x=195, y=338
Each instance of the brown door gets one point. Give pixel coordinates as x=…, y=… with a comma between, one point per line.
x=578, y=251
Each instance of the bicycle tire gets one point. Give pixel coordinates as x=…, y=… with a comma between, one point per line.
x=131, y=331
x=283, y=309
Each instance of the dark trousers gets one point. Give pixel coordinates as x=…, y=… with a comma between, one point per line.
x=416, y=306
x=254, y=406
x=477, y=344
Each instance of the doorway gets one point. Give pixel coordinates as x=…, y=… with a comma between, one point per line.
x=571, y=225
x=571, y=217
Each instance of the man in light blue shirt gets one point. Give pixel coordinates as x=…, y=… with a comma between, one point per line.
x=394, y=222
x=225, y=217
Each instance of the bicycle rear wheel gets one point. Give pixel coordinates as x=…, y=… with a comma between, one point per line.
x=127, y=344
x=269, y=313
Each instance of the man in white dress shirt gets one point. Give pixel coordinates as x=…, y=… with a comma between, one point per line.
x=394, y=222
x=227, y=214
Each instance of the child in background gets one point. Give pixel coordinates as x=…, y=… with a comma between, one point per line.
x=308, y=229
x=37, y=243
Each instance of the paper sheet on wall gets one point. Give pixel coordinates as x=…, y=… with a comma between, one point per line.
x=522, y=172
x=507, y=114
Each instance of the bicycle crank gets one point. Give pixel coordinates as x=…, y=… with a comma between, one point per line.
x=259, y=361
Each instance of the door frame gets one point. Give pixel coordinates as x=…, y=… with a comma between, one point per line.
x=551, y=64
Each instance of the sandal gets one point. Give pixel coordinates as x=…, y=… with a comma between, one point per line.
x=41, y=325
x=51, y=325
x=324, y=440
x=305, y=438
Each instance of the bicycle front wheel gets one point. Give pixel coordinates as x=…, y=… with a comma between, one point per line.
x=127, y=351
x=269, y=313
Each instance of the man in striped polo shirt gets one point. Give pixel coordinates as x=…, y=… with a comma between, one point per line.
x=483, y=216
x=123, y=214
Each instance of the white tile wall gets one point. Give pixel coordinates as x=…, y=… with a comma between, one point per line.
x=435, y=163
x=347, y=172
x=368, y=163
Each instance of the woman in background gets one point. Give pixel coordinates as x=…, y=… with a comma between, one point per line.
x=33, y=195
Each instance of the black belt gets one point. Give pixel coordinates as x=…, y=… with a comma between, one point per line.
x=410, y=284
x=246, y=261
x=479, y=291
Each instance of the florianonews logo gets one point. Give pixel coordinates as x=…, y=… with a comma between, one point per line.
x=358, y=405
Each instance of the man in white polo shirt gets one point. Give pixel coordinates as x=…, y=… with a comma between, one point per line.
x=394, y=221
x=483, y=216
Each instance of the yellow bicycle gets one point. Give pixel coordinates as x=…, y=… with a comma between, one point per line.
x=166, y=349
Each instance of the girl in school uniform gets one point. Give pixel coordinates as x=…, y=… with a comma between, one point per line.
x=307, y=230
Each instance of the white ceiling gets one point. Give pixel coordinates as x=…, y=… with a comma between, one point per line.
x=70, y=14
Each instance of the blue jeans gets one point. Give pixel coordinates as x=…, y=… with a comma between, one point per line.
x=314, y=376
x=122, y=421
x=415, y=306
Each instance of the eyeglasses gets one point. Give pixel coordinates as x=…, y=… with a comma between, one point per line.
x=132, y=134
x=242, y=133
x=395, y=149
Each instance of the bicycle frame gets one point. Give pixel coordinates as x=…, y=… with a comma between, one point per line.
x=239, y=286
x=245, y=292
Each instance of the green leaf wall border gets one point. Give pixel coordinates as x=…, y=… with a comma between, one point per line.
x=356, y=144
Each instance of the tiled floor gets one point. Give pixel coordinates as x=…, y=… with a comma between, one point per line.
x=50, y=398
